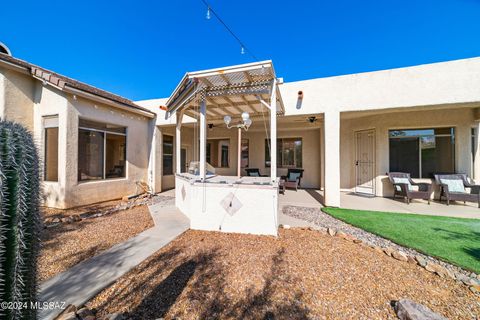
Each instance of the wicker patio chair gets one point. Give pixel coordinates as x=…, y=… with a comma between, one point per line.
x=403, y=186
x=293, y=178
x=453, y=188
x=254, y=172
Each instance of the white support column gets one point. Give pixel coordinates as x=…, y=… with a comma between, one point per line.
x=239, y=153
x=332, y=158
x=203, y=138
x=273, y=132
x=178, y=142
x=476, y=163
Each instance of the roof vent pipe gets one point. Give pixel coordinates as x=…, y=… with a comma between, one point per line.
x=4, y=49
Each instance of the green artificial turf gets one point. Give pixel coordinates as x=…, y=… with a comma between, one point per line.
x=456, y=240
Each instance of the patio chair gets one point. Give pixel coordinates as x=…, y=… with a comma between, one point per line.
x=403, y=186
x=453, y=188
x=293, y=178
x=254, y=172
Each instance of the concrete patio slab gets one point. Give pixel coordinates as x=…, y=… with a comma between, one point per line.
x=83, y=281
x=311, y=198
x=350, y=200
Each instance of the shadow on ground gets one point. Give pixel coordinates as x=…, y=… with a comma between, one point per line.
x=197, y=286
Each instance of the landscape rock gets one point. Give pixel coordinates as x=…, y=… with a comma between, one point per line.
x=83, y=313
x=388, y=251
x=411, y=260
x=286, y=226
x=115, y=316
x=409, y=310
x=421, y=261
x=431, y=267
x=331, y=231
x=56, y=220
x=67, y=313
x=399, y=255
x=67, y=316
x=475, y=288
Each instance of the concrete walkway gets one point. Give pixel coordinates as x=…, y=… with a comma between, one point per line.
x=80, y=283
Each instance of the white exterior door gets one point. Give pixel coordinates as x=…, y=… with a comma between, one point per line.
x=365, y=162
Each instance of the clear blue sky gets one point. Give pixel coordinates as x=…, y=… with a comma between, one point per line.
x=140, y=49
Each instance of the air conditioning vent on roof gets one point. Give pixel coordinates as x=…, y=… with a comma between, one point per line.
x=4, y=49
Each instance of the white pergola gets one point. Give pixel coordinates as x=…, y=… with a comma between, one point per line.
x=225, y=91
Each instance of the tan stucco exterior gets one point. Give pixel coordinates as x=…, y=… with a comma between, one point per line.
x=435, y=95
x=458, y=117
x=16, y=97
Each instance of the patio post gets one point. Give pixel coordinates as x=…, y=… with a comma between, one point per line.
x=273, y=131
x=178, y=142
x=239, y=153
x=476, y=164
x=332, y=158
x=203, y=138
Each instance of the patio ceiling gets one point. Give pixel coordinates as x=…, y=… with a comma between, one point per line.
x=227, y=91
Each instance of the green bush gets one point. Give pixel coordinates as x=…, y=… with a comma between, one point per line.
x=20, y=222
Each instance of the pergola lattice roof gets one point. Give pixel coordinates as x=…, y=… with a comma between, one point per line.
x=228, y=91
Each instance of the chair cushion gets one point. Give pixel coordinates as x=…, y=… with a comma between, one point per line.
x=402, y=180
x=254, y=174
x=293, y=176
x=454, y=185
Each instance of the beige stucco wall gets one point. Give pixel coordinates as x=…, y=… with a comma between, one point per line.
x=16, y=97
x=68, y=192
x=430, y=84
x=138, y=153
x=460, y=118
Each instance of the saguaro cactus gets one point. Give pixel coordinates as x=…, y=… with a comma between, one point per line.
x=19, y=221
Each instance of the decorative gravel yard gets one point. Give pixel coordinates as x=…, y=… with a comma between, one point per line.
x=456, y=240
x=66, y=244
x=301, y=274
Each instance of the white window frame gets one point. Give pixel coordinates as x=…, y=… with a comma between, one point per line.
x=105, y=152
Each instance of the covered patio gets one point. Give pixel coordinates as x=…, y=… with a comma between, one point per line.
x=208, y=190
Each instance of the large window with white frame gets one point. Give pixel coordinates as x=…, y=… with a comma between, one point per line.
x=102, y=151
x=422, y=152
x=50, y=152
x=289, y=153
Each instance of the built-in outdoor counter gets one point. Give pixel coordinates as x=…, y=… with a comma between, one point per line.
x=229, y=204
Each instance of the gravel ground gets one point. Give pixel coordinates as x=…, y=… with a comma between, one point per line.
x=65, y=245
x=302, y=274
x=323, y=220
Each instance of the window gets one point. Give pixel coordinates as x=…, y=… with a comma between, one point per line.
x=244, y=162
x=51, y=148
x=422, y=152
x=289, y=153
x=102, y=151
x=167, y=150
x=218, y=153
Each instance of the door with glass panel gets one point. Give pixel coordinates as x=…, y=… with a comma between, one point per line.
x=365, y=162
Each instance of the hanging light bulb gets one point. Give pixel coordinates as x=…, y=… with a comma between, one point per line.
x=242, y=50
x=208, y=14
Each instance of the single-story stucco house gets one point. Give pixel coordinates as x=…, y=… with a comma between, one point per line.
x=345, y=132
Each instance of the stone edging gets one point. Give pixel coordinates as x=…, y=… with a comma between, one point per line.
x=401, y=253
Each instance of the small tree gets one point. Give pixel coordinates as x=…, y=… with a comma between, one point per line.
x=19, y=219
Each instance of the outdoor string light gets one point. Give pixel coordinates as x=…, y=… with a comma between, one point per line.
x=243, y=48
